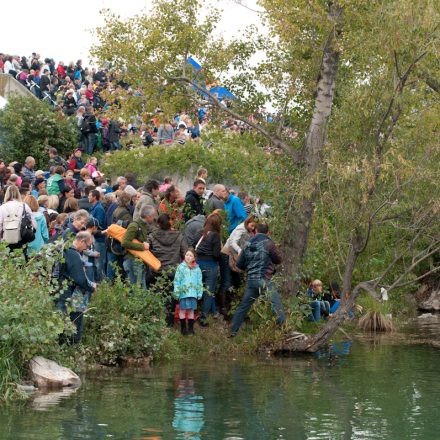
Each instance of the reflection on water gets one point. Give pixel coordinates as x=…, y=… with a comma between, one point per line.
x=188, y=411
x=348, y=391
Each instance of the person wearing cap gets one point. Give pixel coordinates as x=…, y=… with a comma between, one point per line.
x=181, y=135
x=76, y=164
x=39, y=185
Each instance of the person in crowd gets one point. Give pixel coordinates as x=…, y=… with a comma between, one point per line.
x=208, y=248
x=41, y=231
x=69, y=104
x=165, y=134
x=78, y=223
x=89, y=131
x=246, y=200
x=55, y=160
x=56, y=226
x=235, y=210
x=139, y=230
x=91, y=165
x=114, y=134
x=28, y=169
x=55, y=183
x=319, y=306
x=85, y=179
x=97, y=211
x=169, y=247
x=123, y=217
x=193, y=228
x=188, y=288
x=121, y=183
x=70, y=181
x=110, y=205
x=71, y=205
x=66, y=193
x=333, y=296
x=149, y=194
x=172, y=204
x=11, y=212
x=215, y=199
x=76, y=164
x=52, y=204
x=42, y=206
x=202, y=173
x=84, y=200
x=167, y=182
x=79, y=287
x=39, y=186
x=194, y=200
x=258, y=259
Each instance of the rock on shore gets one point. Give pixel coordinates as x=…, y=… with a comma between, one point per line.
x=48, y=374
x=428, y=298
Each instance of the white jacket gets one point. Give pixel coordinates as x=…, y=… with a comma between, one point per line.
x=11, y=207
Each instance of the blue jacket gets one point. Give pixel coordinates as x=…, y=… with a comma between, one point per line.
x=41, y=234
x=188, y=282
x=259, y=257
x=236, y=212
x=97, y=211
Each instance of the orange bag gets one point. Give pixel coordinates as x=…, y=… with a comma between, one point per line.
x=117, y=232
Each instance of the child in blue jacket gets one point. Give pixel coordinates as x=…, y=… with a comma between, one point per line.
x=188, y=288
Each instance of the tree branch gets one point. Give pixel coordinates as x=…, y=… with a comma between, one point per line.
x=295, y=155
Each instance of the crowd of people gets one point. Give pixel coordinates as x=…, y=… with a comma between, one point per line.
x=87, y=93
x=205, y=240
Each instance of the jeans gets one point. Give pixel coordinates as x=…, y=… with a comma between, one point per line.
x=319, y=307
x=209, y=270
x=90, y=143
x=252, y=291
x=115, y=146
x=225, y=273
x=113, y=262
x=135, y=271
x=101, y=261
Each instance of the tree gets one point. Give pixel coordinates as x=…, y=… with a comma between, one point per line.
x=349, y=76
x=28, y=128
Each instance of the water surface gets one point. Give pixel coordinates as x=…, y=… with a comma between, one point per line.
x=360, y=391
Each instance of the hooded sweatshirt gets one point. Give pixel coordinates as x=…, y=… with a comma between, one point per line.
x=168, y=246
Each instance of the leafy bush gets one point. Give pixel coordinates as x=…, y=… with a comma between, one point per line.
x=231, y=159
x=28, y=127
x=123, y=321
x=29, y=323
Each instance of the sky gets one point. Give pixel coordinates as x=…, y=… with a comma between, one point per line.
x=63, y=30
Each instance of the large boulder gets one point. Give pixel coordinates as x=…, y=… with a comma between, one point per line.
x=428, y=299
x=48, y=374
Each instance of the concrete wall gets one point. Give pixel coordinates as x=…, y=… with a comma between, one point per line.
x=9, y=85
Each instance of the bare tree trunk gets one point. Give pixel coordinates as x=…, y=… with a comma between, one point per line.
x=299, y=219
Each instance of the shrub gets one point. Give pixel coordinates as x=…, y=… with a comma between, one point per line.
x=29, y=323
x=28, y=127
x=123, y=321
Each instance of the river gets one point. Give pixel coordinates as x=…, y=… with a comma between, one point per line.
x=353, y=390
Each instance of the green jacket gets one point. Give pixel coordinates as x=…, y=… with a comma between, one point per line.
x=138, y=230
x=53, y=188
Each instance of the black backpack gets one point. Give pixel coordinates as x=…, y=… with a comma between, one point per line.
x=27, y=230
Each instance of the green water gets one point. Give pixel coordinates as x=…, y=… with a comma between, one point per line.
x=361, y=391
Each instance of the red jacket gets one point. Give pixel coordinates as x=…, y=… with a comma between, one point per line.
x=61, y=71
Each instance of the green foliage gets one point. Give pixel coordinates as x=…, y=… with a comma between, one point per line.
x=232, y=159
x=29, y=323
x=123, y=321
x=28, y=127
